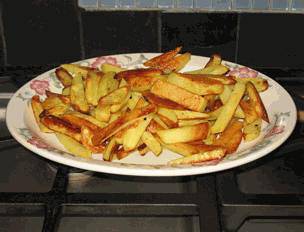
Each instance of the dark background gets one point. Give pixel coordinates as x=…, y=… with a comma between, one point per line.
x=38, y=34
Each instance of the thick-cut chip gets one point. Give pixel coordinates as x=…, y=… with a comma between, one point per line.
x=257, y=101
x=184, y=134
x=215, y=59
x=86, y=139
x=64, y=77
x=151, y=143
x=163, y=58
x=107, y=84
x=77, y=95
x=186, y=114
x=121, y=106
x=199, y=158
x=91, y=87
x=169, y=123
x=167, y=113
x=252, y=130
x=260, y=84
x=155, y=126
x=162, y=102
x=105, y=67
x=115, y=97
x=224, y=96
x=160, y=122
x=76, y=69
x=59, y=125
x=88, y=118
x=214, y=69
x=190, y=122
x=249, y=111
x=133, y=134
x=231, y=136
x=196, y=84
x=228, y=109
x=175, y=64
x=73, y=146
x=78, y=121
x=120, y=123
x=179, y=95
x=64, y=99
x=102, y=113
x=133, y=99
x=109, y=149
x=140, y=79
x=66, y=91
x=37, y=110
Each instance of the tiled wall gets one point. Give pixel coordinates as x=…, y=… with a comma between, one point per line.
x=239, y=5
x=44, y=33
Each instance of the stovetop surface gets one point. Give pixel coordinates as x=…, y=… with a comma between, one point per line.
x=41, y=195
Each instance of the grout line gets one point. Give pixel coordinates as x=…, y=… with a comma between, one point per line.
x=81, y=40
x=238, y=27
x=159, y=32
x=3, y=35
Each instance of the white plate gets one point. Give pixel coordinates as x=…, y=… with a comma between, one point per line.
x=21, y=123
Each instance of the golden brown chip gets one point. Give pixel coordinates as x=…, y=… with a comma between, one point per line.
x=64, y=77
x=163, y=58
x=162, y=102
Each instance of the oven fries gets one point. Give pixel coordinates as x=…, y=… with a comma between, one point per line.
x=202, y=115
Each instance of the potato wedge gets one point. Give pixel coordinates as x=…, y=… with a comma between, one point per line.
x=163, y=58
x=181, y=96
x=123, y=104
x=107, y=84
x=215, y=59
x=162, y=102
x=77, y=95
x=252, y=130
x=259, y=83
x=231, y=136
x=151, y=143
x=199, y=158
x=59, y=125
x=91, y=87
x=133, y=135
x=73, y=146
x=228, y=109
x=64, y=77
x=257, y=101
x=184, y=134
x=175, y=64
x=51, y=102
x=37, y=110
x=196, y=84
x=105, y=67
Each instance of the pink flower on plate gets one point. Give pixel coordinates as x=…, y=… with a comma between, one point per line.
x=275, y=130
x=243, y=72
x=104, y=59
x=40, y=86
x=37, y=142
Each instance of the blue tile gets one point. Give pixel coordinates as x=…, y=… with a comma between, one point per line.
x=242, y=4
x=146, y=3
x=203, y=3
x=298, y=4
x=87, y=3
x=184, y=3
x=165, y=3
x=280, y=4
x=260, y=4
x=221, y=4
x=107, y=3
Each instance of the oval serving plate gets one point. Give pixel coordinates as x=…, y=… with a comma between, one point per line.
x=21, y=124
